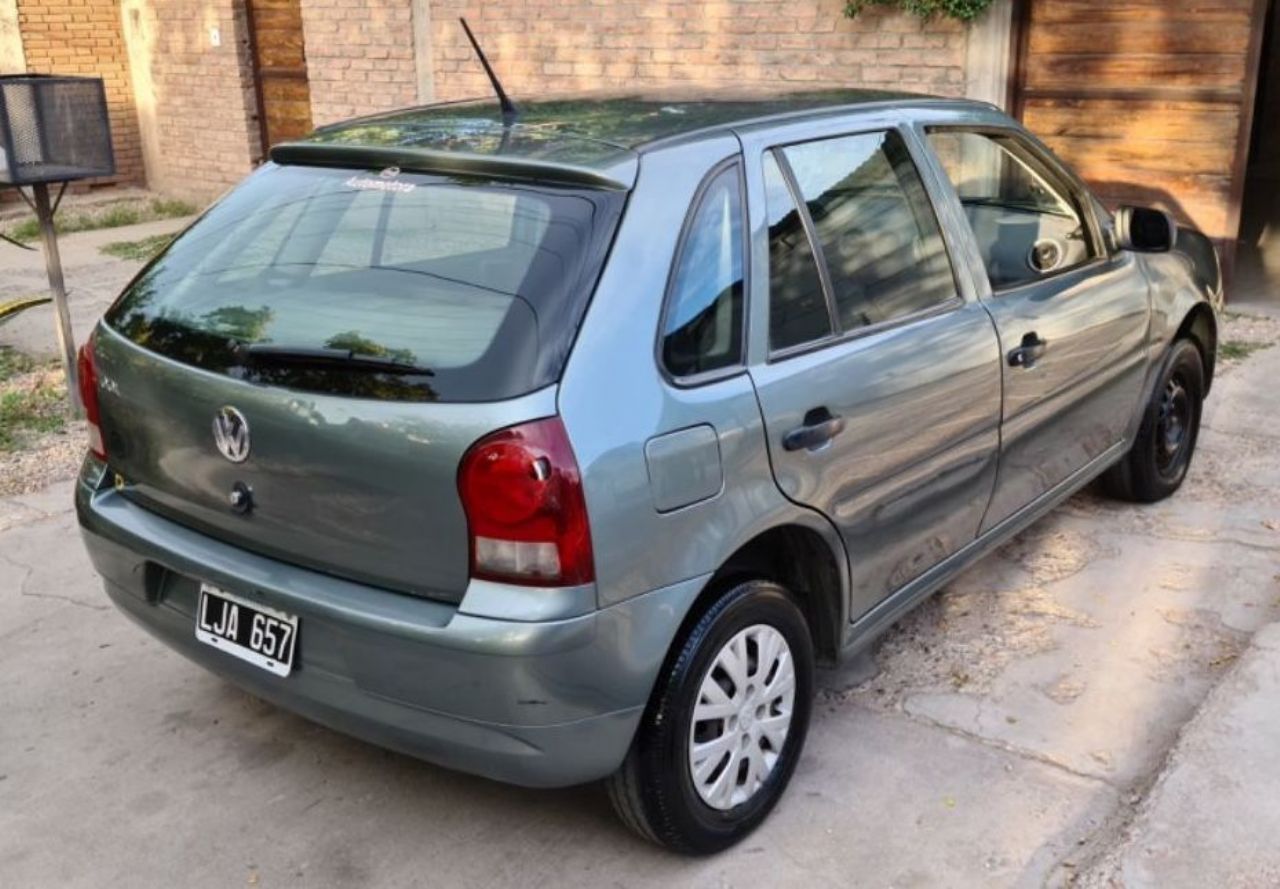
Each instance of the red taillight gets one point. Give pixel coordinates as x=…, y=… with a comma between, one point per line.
x=523, y=496
x=87, y=373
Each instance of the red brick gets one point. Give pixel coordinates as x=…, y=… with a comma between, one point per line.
x=573, y=44
x=83, y=37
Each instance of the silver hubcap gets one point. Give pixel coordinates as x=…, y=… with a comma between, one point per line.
x=742, y=716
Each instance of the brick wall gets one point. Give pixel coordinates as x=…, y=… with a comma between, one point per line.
x=360, y=57
x=196, y=100
x=563, y=45
x=84, y=37
x=195, y=117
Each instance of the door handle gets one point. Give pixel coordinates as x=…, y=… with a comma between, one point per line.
x=819, y=427
x=1027, y=354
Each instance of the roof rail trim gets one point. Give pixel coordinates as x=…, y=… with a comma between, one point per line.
x=618, y=177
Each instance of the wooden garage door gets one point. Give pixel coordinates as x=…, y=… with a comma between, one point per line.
x=280, y=69
x=1149, y=99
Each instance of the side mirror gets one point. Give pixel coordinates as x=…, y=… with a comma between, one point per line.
x=1145, y=230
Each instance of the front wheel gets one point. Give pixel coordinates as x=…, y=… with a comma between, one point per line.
x=721, y=736
x=1161, y=454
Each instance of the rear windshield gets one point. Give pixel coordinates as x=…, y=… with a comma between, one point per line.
x=478, y=286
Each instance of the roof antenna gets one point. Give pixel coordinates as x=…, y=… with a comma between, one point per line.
x=509, y=110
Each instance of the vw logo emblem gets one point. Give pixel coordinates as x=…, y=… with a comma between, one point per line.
x=231, y=434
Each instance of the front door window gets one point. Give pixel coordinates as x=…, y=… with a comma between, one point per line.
x=1027, y=222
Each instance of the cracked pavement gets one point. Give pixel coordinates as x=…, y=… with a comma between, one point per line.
x=1093, y=704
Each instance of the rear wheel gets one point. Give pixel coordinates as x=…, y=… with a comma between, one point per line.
x=722, y=734
x=1161, y=453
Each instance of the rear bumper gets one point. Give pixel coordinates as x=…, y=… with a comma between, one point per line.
x=542, y=704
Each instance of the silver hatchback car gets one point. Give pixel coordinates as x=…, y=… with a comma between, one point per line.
x=562, y=448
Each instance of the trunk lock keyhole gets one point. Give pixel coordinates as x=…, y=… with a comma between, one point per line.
x=240, y=498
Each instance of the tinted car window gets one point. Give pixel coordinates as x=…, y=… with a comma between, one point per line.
x=798, y=310
x=876, y=227
x=983, y=169
x=1026, y=224
x=480, y=282
x=703, y=324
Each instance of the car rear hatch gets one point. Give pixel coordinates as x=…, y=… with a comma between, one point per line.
x=328, y=343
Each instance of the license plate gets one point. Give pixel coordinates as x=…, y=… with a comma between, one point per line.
x=255, y=633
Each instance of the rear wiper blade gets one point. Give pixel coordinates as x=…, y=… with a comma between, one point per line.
x=347, y=358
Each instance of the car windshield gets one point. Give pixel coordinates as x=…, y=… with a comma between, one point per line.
x=481, y=283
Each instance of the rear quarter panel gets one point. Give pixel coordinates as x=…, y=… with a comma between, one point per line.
x=615, y=401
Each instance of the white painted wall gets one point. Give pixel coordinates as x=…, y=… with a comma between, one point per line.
x=422, y=58
x=138, y=39
x=12, y=58
x=989, y=57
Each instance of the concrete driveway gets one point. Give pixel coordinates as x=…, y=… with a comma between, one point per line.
x=93, y=281
x=1084, y=705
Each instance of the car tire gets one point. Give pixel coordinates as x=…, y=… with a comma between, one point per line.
x=721, y=736
x=1161, y=453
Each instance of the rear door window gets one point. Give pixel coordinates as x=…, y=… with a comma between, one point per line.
x=702, y=329
x=798, y=309
x=481, y=283
x=879, y=238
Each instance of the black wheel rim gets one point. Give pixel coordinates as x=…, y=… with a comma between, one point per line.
x=1173, y=426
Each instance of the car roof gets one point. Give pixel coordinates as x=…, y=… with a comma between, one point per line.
x=587, y=139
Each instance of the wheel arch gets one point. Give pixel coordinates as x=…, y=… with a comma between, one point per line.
x=1200, y=325
x=1181, y=312
x=806, y=557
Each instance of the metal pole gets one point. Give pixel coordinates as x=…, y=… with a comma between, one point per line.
x=53, y=265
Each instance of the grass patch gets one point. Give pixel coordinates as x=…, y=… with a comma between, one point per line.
x=33, y=399
x=1237, y=349
x=112, y=215
x=140, y=250
x=14, y=363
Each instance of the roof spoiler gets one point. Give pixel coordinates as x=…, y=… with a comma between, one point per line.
x=424, y=160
